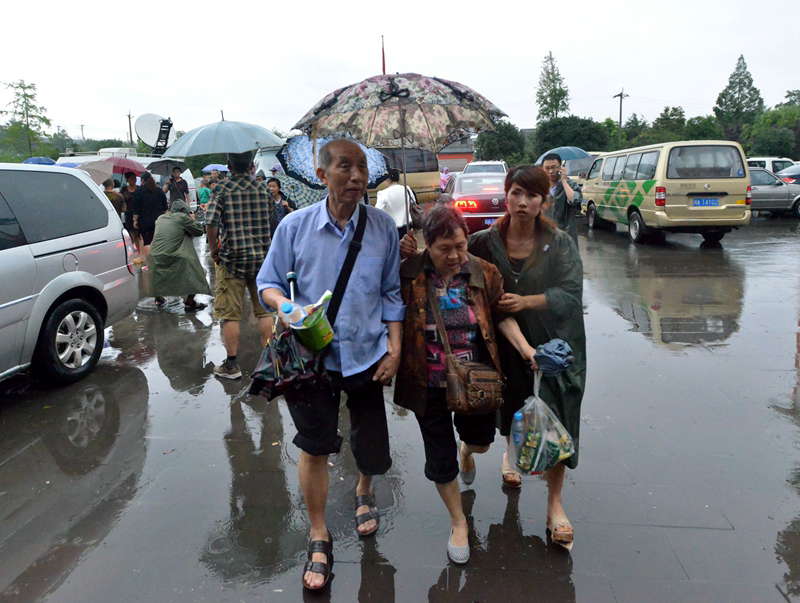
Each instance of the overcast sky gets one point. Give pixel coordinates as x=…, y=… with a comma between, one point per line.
x=94, y=61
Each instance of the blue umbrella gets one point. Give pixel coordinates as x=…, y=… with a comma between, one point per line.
x=39, y=161
x=215, y=166
x=297, y=159
x=222, y=137
x=565, y=153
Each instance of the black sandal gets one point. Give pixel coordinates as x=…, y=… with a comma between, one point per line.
x=367, y=500
x=319, y=567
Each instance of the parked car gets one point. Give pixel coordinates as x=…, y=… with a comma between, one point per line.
x=773, y=194
x=773, y=164
x=687, y=186
x=790, y=175
x=65, y=268
x=479, y=196
x=494, y=167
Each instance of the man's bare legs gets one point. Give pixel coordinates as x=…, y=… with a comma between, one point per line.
x=230, y=336
x=265, y=324
x=313, y=472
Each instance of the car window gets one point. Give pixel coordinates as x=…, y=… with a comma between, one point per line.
x=10, y=232
x=632, y=166
x=50, y=205
x=647, y=166
x=595, y=171
x=760, y=178
x=777, y=166
x=706, y=161
x=619, y=168
x=752, y=163
x=417, y=160
x=608, y=168
x=480, y=183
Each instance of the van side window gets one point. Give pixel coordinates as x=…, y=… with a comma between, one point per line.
x=632, y=166
x=49, y=205
x=10, y=232
x=595, y=171
x=777, y=166
x=757, y=164
x=608, y=169
x=619, y=168
x=647, y=166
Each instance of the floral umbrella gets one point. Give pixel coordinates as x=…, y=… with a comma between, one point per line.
x=298, y=159
x=402, y=110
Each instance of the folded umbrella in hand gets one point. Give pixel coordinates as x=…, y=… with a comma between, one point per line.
x=554, y=357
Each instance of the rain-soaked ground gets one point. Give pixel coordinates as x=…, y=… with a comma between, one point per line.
x=153, y=481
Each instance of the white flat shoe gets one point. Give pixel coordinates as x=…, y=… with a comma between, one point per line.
x=457, y=554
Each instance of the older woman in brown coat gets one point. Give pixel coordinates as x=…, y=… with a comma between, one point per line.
x=467, y=291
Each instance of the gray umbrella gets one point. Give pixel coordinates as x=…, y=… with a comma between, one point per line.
x=223, y=137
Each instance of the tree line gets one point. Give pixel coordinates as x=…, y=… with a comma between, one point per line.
x=739, y=114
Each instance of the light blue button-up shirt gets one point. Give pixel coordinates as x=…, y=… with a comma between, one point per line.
x=310, y=243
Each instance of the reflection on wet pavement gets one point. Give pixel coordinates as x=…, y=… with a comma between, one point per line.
x=153, y=481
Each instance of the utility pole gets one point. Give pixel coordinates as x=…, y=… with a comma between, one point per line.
x=222, y=115
x=130, y=129
x=621, y=96
x=383, y=57
x=82, y=136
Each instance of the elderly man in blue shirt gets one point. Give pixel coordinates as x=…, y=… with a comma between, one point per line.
x=365, y=352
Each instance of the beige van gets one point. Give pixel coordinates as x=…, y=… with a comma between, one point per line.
x=698, y=186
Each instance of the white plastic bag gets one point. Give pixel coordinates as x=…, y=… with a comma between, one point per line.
x=541, y=442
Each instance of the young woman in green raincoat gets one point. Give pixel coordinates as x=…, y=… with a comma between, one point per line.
x=543, y=279
x=174, y=265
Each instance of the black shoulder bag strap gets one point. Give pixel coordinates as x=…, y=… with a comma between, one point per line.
x=347, y=266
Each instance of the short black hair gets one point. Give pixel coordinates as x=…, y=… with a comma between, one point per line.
x=177, y=168
x=442, y=222
x=394, y=174
x=108, y=183
x=129, y=174
x=551, y=157
x=275, y=180
x=240, y=162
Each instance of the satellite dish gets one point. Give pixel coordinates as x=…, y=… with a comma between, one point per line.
x=147, y=127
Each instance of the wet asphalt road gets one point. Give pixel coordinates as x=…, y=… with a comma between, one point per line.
x=152, y=481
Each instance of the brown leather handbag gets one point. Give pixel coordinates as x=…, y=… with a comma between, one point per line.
x=473, y=388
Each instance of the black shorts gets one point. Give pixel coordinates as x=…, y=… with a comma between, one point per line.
x=316, y=417
x=436, y=425
x=147, y=236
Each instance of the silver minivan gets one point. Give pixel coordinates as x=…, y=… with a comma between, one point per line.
x=65, y=271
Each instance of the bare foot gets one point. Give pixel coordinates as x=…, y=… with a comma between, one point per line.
x=368, y=526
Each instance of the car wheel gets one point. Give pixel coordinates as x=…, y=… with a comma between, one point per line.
x=591, y=216
x=796, y=209
x=713, y=237
x=70, y=342
x=637, y=230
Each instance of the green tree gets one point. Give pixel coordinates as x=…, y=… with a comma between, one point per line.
x=703, y=127
x=671, y=119
x=739, y=103
x=61, y=140
x=792, y=98
x=552, y=95
x=616, y=136
x=770, y=131
x=634, y=126
x=24, y=111
x=505, y=143
x=772, y=142
x=571, y=131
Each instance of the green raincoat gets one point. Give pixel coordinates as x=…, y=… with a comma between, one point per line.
x=174, y=265
x=555, y=269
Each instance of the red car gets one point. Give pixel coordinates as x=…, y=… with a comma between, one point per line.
x=480, y=197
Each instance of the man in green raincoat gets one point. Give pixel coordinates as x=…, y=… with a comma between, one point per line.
x=174, y=265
